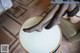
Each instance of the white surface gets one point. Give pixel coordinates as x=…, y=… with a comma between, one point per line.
x=5, y=4
x=40, y=42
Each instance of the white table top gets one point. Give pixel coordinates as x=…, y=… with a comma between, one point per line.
x=45, y=41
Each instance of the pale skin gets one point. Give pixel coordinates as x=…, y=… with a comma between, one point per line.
x=73, y=19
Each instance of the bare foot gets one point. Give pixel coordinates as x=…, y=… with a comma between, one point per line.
x=75, y=19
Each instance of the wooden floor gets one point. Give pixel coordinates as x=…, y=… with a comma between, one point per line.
x=11, y=21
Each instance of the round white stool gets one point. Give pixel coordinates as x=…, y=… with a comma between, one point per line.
x=46, y=41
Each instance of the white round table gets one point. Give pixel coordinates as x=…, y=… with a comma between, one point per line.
x=46, y=41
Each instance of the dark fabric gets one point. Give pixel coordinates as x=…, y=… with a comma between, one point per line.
x=73, y=12
x=78, y=0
